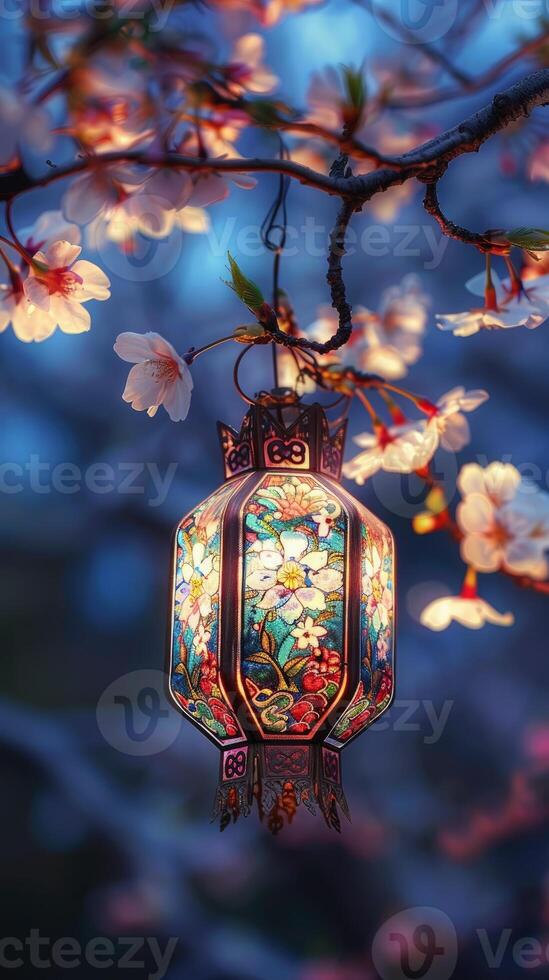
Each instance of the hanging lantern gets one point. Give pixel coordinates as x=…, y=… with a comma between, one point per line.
x=281, y=645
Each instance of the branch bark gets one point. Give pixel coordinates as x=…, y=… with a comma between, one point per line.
x=336, y=283
x=427, y=161
x=451, y=230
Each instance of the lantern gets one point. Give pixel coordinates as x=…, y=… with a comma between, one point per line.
x=281, y=647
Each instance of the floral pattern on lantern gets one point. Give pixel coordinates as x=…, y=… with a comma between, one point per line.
x=195, y=680
x=292, y=652
x=375, y=689
x=283, y=615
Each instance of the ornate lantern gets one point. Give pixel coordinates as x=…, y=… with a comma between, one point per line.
x=281, y=645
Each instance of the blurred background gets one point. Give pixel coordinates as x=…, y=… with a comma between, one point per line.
x=104, y=835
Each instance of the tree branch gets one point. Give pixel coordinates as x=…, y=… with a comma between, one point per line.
x=408, y=36
x=451, y=230
x=428, y=160
x=472, y=85
x=337, y=289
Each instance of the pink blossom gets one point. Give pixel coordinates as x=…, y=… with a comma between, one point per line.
x=159, y=376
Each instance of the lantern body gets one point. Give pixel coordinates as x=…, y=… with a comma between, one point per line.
x=281, y=646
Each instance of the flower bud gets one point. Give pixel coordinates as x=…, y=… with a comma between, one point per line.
x=248, y=333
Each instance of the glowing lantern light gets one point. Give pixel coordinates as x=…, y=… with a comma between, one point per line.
x=282, y=616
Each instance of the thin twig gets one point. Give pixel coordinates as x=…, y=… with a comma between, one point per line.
x=473, y=85
x=451, y=230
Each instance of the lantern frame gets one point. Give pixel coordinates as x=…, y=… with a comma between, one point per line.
x=281, y=769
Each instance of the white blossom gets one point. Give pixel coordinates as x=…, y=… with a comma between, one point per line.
x=159, y=376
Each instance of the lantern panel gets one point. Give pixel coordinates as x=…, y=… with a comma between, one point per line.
x=293, y=657
x=375, y=690
x=195, y=683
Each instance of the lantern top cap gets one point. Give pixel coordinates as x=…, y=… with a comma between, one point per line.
x=279, y=431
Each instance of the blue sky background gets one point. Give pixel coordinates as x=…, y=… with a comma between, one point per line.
x=96, y=841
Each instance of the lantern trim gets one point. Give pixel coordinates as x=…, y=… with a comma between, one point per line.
x=265, y=442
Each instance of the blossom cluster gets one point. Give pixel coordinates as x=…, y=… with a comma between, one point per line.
x=147, y=123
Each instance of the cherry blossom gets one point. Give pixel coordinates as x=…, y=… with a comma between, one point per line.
x=307, y=633
x=504, y=521
x=118, y=203
x=109, y=104
x=268, y=12
x=499, y=482
x=472, y=612
x=50, y=227
x=535, y=293
x=514, y=314
x=196, y=221
x=59, y=283
x=216, y=140
x=293, y=579
x=159, y=376
x=99, y=190
x=387, y=341
x=503, y=310
x=449, y=420
x=29, y=322
x=274, y=10
x=246, y=71
x=402, y=448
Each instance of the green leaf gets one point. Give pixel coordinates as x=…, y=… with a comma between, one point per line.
x=325, y=614
x=531, y=239
x=245, y=289
x=267, y=112
x=285, y=650
x=355, y=91
x=294, y=665
x=331, y=691
x=260, y=658
x=268, y=643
